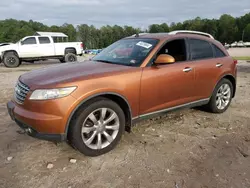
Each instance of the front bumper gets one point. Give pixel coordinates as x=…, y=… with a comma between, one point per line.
x=16, y=115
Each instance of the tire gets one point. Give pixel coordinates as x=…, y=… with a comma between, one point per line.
x=83, y=123
x=70, y=57
x=11, y=60
x=62, y=60
x=219, y=107
x=30, y=61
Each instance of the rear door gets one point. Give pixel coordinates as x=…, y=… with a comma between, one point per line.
x=29, y=48
x=46, y=47
x=208, y=67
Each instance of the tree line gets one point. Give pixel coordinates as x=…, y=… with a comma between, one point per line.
x=226, y=29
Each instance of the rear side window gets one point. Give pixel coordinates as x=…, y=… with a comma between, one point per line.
x=218, y=52
x=28, y=41
x=44, y=40
x=200, y=49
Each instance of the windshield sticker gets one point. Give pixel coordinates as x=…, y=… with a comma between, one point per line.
x=133, y=61
x=144, y=44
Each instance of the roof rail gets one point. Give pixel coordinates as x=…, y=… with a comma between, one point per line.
x=190, y=32
x=139, y=34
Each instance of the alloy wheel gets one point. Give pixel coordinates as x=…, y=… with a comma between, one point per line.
x=11, y=60
x=100, y=128
x=223, y=96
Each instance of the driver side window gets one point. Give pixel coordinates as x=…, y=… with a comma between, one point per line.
x=175, y=48
x=29, y=41
x=123, y=50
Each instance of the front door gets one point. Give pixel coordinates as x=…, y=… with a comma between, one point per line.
x=28, y=48
x=169, y=85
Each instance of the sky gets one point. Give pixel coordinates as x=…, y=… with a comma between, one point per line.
x=137, y=13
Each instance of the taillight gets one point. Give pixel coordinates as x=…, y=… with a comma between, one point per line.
x=81, y=45
x=235, y=61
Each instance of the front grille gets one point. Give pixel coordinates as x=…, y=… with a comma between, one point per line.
x=21, y=91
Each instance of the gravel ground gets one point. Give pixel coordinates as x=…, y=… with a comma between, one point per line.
x=184, y=149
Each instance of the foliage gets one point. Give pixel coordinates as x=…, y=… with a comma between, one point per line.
x=225, y=29
x=245, y=58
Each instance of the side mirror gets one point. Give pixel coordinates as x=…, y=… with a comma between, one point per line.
x=164, y=59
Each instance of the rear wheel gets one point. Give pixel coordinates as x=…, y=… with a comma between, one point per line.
x=11, y=60
x=97, y=128
x=221, y=97
x=70, y=57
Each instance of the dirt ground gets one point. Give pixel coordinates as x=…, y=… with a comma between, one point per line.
x=183, y=149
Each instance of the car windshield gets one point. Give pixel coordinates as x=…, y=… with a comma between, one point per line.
x=128, y=52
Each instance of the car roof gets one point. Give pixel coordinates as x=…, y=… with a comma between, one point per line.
x=162, y=36
x=181, y=34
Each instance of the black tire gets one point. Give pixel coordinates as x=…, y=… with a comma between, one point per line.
x=211, y=106
x=30, y=61
x=70, y=57
x=11, y=60
x=62, y=60
x=75, y=134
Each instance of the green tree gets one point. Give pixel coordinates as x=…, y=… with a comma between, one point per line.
x=247, y=33
x=69, y=30
x=227, y=29
x=155, y=28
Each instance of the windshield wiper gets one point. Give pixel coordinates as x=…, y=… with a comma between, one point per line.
x=115, y=63
x=106, y=61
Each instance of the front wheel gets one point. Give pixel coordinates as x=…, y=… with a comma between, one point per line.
x=222, y=97
x=62, y=60
x=97, y=128
x=11, y=60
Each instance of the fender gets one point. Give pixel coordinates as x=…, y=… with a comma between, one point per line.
x=13, y=51
x=223, y=76
x=91, y=97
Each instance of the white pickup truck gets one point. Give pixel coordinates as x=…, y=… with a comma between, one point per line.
x=34, y=48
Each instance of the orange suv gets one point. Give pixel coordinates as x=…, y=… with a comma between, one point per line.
x=91, y=103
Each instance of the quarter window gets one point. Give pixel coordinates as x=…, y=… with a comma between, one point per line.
x=44, y=40
x=28, y=41
x=218, y=52
x=200, y=49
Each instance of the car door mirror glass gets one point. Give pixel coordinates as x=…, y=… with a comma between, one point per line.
x=164, y=59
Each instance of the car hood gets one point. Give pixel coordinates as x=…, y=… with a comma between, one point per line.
x=69, y=72
x=8, y=47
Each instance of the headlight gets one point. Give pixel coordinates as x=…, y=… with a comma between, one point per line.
x=43, y=94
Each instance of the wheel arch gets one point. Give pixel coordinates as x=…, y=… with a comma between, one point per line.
x=9, y=51
x=232, y=79
x=119, y=99
x=70, y=50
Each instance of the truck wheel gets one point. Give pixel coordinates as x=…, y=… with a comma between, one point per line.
x=70, y=57
x=11, y=60
x=97, y=127
x=30, y=61
x=62, y=60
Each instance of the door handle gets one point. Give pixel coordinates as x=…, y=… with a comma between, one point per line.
x=187, y=69
x=219, y=65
